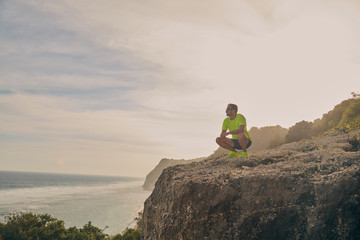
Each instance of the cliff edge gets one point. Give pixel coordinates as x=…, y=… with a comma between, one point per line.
x=304, y=190
x=153, y=176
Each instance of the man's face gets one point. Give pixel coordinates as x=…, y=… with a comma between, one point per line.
x=229, y=111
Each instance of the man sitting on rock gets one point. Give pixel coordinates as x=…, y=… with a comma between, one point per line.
x=236, y=124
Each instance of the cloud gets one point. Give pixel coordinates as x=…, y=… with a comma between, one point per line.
x=51, y=117
x=37, y=128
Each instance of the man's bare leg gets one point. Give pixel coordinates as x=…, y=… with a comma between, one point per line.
x=225, y=143
x=243, y=141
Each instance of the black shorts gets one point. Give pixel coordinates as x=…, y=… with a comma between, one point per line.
x=237, y=145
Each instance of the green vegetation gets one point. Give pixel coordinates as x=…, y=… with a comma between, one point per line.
x=267, y=137
x=29, y=226
x=300, y=130
x=345, y=117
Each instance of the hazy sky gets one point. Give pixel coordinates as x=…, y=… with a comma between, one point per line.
x=113, y=86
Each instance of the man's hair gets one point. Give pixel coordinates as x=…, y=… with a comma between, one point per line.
x=233, y=107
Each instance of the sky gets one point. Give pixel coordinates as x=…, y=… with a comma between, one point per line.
x=111, y=87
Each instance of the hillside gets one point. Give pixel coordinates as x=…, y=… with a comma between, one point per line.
x=344, y=117
x=302, y=190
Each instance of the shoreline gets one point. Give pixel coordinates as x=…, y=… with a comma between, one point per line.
x=134, y=223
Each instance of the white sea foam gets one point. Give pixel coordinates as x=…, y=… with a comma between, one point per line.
x=29, y=195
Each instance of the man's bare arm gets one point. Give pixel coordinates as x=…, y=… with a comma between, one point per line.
x=223, y=133
x=240, y=130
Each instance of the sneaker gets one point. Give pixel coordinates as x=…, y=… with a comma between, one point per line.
x=244, y=155
x=233, y=155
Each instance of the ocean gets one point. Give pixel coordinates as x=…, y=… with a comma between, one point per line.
x=106, y=201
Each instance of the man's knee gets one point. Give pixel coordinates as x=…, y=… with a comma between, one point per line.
x=242, y=137
x=218, y=140
x=221, y=141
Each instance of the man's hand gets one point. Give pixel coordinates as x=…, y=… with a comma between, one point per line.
x=240, y=130
x=224, y=134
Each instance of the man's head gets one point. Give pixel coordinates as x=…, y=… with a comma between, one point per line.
x=231, y=109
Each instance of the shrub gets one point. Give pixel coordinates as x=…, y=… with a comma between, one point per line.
x=24, y=226
x=300, y=130
x=29, y=226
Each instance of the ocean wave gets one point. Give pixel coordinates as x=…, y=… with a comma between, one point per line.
x=39, y=194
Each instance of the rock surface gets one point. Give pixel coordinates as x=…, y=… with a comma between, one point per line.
x=303, y=190
x=153, y=176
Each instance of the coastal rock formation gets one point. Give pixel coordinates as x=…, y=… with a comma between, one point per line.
x=153, y=176
x=304, y=190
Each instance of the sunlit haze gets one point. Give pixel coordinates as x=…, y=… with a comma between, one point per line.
x=111, y=87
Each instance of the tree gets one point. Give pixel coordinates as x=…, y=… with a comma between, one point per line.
x=24, y=226
x=29, y=226
x=300, y=130
x=332, y=118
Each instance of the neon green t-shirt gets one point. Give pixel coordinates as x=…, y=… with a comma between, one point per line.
x=235, y=124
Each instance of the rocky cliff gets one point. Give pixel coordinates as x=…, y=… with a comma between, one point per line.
x=303, y=190
x=153, y=176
